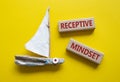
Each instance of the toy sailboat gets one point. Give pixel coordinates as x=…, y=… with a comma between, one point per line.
x=39, y=44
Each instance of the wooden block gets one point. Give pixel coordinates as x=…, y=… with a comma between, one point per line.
x=77, y=24
x=85, y=51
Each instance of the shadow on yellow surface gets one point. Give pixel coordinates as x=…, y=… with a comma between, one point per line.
x=76, y=33
x=27, y=69
x=81, y=59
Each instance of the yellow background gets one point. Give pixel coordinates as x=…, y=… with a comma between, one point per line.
x=19, y=20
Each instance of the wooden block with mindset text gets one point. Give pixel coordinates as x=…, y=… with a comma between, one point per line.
x=85, y=51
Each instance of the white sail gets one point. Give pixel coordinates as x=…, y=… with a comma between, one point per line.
x=39, y=44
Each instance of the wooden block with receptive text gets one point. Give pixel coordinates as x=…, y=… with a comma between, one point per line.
x=76, y=25
x=85, y=51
